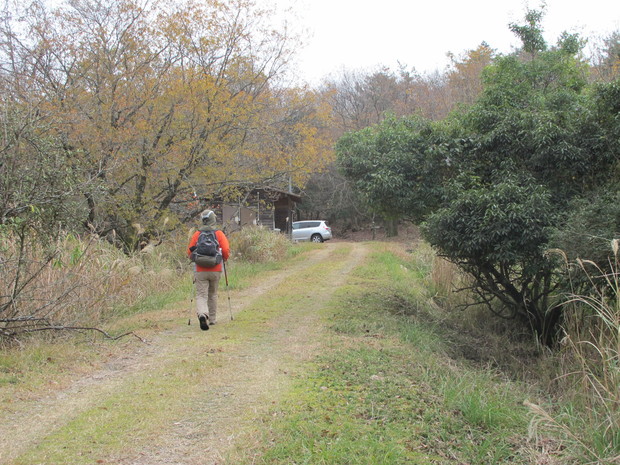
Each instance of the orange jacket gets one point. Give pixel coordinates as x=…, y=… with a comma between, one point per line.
x=222, y=239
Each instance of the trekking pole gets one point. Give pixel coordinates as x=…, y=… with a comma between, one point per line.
x=227, y=290
x=191, y=301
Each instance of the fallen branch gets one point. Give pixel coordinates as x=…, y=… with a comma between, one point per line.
x=71, y=328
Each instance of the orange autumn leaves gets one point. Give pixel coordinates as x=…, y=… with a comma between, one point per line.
x=155, y=101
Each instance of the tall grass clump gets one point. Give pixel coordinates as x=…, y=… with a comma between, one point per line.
x=255, y=244
x=443, y=278
x=588, y=423
x=76, y=281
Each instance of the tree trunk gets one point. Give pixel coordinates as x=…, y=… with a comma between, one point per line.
x=391, y=228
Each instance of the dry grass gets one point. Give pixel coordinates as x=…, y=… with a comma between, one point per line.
x=447, y=279
x=78, y=281
x=589, y=425
x=259, y=245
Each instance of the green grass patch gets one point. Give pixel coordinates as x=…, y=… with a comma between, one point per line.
x=287, y=296
x=40, y=363
x=483, y=400
x=242, y=274
x=155, y=300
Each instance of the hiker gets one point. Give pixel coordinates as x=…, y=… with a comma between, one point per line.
x=207, y=275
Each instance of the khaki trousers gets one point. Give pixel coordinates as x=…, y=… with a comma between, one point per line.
x=207, y=283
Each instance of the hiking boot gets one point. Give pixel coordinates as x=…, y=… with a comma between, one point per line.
x=203, y=322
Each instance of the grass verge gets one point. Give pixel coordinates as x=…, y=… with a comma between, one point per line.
x=385, y=391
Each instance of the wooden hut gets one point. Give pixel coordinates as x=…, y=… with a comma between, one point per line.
x=270, y=208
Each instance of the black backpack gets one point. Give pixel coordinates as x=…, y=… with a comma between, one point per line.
x=206, y=252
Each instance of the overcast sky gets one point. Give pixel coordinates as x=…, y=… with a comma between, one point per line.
x=365, y=34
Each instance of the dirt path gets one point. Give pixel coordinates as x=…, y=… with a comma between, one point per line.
x=242, y=375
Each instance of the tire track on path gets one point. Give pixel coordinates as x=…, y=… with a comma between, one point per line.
x=251, y=378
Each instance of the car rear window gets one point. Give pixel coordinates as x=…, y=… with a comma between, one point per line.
x=306, y=224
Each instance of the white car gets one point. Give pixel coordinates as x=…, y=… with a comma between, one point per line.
x=311, y=230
